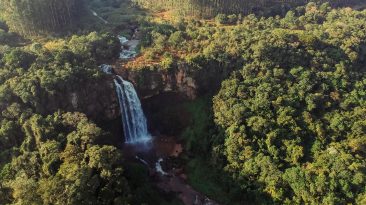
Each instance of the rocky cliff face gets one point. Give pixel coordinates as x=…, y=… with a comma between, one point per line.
x=181, y=79
x=152, y=82
x=164, y=93
x=157, y=88
x=96, y=98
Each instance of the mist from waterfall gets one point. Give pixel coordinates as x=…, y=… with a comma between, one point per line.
x=133, y=118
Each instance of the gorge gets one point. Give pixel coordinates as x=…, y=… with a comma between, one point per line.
x=189, y=102
x=150, y=151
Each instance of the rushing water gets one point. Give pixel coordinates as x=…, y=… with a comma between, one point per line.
x=106, y=68
x=133, y=118
x=159, y=168
x=128, y=48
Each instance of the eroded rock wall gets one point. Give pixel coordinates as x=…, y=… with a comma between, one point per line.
x=181, y=79
x=96, y=98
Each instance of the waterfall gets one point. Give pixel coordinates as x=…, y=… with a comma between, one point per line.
x=133, y=118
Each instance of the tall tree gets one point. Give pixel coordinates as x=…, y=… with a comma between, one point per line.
x=33, y=17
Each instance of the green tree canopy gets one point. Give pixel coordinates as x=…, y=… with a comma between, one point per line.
x=60, y=162
x=294, y=115
x=33, y=17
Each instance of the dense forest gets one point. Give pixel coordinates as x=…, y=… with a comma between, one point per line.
x=290, y=121
x=294, y=115
x=279, y=116
x=58, y=157
x=210, y=8
x=25, y=17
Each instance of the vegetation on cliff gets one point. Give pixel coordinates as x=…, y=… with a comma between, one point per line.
x=59, y=161
x=290, y=120
x=287, y=126
x=294, y=115
x=55, y=158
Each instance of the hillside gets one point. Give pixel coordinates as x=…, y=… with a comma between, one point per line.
x=198, y=102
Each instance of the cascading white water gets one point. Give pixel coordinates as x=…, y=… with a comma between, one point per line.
x=106, y=68
x=128, y=48
x=159, y=168
x=133, y=118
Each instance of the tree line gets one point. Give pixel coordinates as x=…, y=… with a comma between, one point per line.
x=32, y=17
x=210, y=8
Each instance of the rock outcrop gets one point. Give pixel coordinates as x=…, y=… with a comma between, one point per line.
x=96, y=98
x=181, y=79
x=164, y=93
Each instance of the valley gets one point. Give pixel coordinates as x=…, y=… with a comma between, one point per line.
x=194, y=102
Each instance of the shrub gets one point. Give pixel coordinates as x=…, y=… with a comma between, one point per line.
x=221, y=19
x=167, y=61
x=232, y=19
x=176, y=38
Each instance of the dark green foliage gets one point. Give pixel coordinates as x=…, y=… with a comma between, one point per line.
x=290, y=119
x=28, y=77
x=4, y=36
x=221, y=19
x=60, y=163
x=294, y=115
x=204, y=166
x=33, y=17
x=197, y=135
x=100, y=47
x=213, y=182
x=289, y=123
x=48, y=158
x=176, y=39
x=7, y=37
x=3, y=26
x=143, y=187
x=18, y=59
